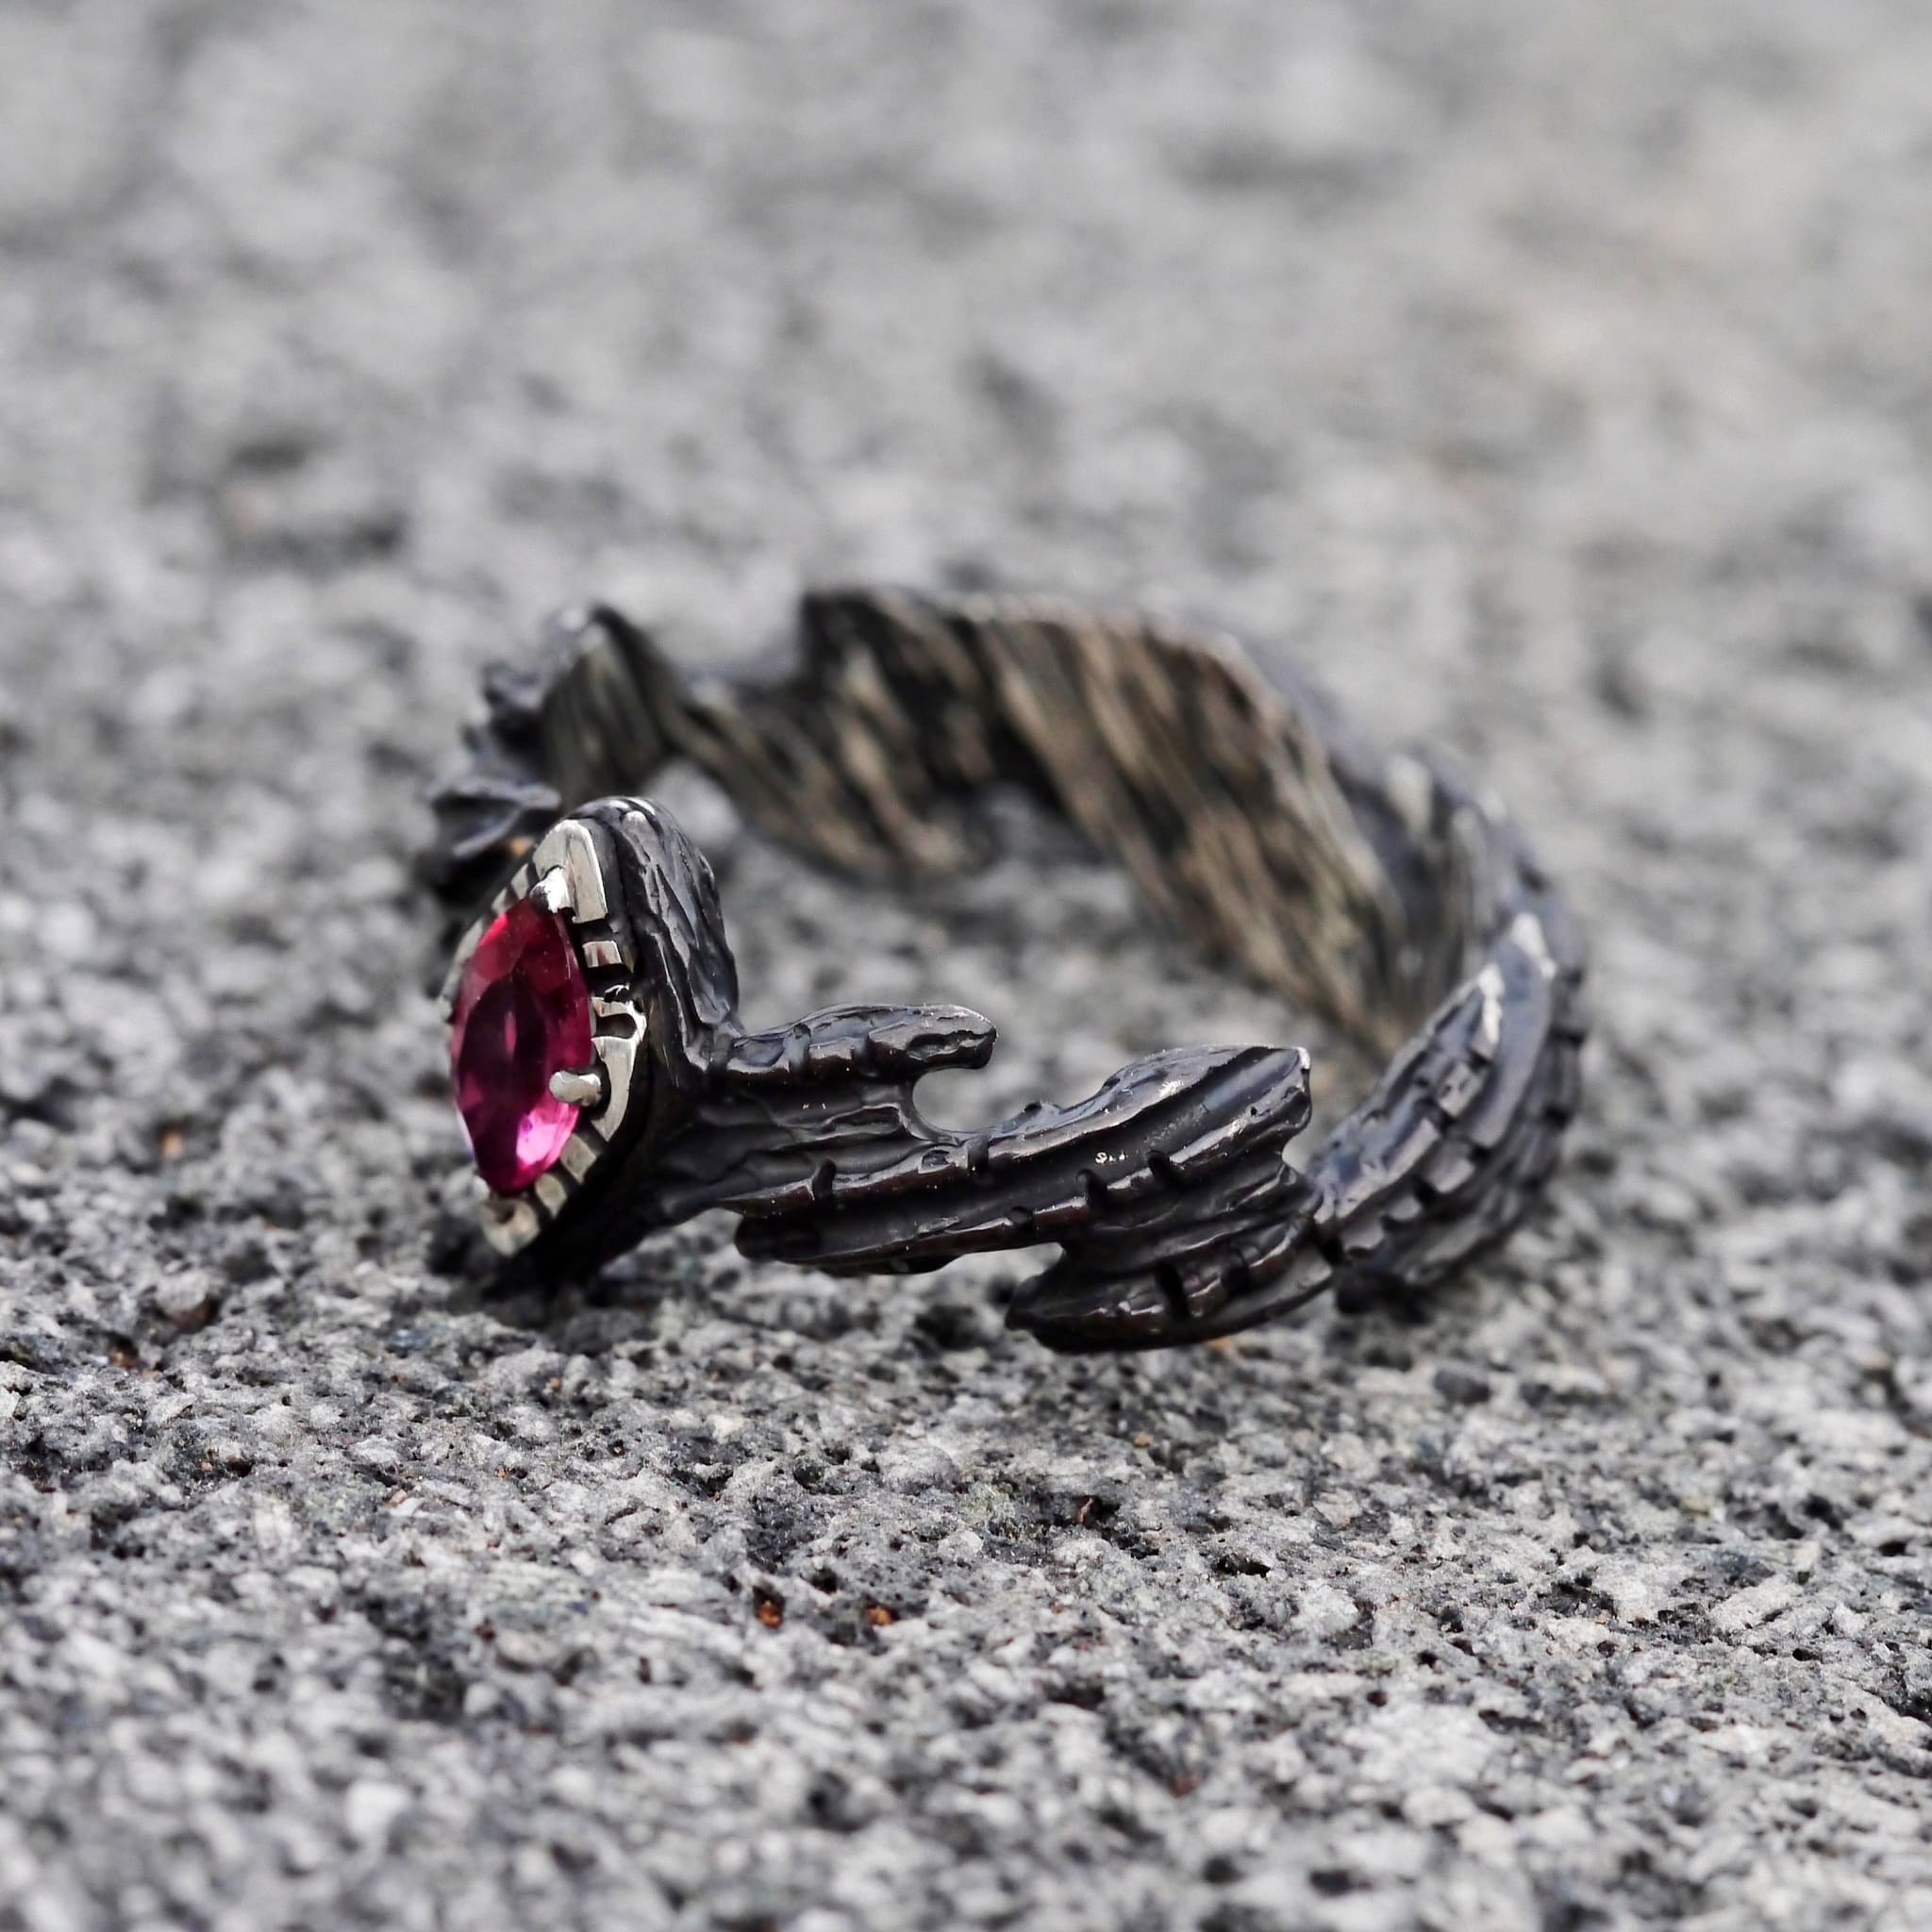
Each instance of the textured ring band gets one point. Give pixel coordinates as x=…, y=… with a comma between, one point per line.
x=610, y=1088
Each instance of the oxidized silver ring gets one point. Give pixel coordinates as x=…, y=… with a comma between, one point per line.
x=609, y=1087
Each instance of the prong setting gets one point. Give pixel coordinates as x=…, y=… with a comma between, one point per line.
x=564, y=876
x=579, y=1089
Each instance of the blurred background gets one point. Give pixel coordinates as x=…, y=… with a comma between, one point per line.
x=1552, y=381
x=1548, y=382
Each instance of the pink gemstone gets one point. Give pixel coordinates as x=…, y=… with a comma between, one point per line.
x=523, y=1013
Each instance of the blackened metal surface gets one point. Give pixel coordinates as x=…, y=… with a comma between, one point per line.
x=1382, y=891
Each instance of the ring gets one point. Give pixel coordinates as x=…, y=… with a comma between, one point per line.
x=608, y=1088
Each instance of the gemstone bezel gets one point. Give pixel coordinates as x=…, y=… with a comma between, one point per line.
x=564, y=874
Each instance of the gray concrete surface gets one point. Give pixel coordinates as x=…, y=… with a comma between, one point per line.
x=1556, y=381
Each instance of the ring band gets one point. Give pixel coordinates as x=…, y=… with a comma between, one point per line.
x=609, y=1089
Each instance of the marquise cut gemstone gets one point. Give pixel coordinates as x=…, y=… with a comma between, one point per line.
x=523, y=1013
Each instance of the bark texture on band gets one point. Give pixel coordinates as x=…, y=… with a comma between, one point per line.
x=1379, y=891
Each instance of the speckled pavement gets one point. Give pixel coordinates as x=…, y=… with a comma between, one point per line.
x=1552, y=382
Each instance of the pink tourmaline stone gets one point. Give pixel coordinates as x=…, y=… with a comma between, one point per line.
x=523, y=1013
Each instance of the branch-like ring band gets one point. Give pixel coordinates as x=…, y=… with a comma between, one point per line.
x=610, y=1088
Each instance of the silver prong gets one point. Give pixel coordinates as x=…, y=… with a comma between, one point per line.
x=509, y=1225
x=579, y=1089
x=553, y=892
